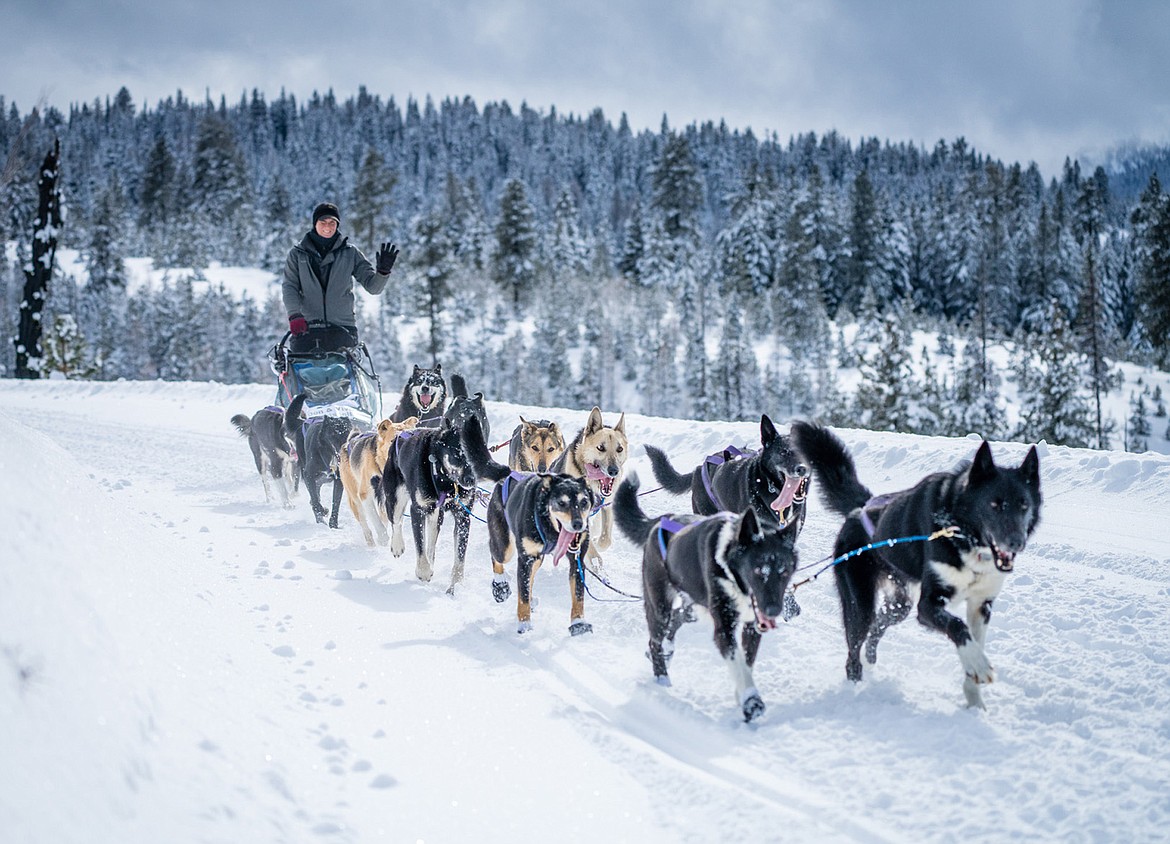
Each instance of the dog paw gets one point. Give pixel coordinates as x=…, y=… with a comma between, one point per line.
x=975, y=663
x=423, y=573
x=974, y=694
x=871, y=650
x=753, y=707
x=397, y=546
x=523, y=626
x=500, y=591
x=578, y=627
x=791, y=609
x=662, y=680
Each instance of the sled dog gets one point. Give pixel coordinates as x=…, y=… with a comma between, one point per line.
x=463, y=406
x=319, y=442
x=532, y=515
x=535, y=446
x=273, y=452
x=424, y=395
x=992, y=510
x=736, y=567
x=598, y=453
x=362, y=459
x=773, y=481
x=424, y=469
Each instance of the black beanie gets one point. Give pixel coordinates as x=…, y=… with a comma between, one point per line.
x=326, y=209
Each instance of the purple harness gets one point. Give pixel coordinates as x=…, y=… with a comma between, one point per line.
x=719, y=460
x=876, y=501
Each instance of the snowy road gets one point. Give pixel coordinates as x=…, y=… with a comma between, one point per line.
x=291, y=684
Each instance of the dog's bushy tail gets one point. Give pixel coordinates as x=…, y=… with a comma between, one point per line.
x=665, y=474
x=293, y=414
x=634, y=524
x=458, y=386
x=243, y=423
x=833, y=465
x=477, y=452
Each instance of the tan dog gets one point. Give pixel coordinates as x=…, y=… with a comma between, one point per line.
x=362, y=459
x=535, y=446
x=598, y=453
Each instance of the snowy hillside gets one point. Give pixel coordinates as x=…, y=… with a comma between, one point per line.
x=181, y=662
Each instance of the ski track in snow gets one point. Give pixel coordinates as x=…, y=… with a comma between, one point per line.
x=1080, y=639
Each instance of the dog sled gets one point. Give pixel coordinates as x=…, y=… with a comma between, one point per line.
x=334, y=371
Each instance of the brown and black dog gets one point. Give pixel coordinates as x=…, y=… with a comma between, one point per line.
x=531, y=516
x=362, y=459
x=535, y=446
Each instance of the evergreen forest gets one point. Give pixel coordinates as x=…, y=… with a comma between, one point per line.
x=565, y=260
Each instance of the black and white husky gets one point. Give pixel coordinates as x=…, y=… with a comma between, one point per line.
x=424, y=395
x=273, y=452
x=992, y=509
x=735, y=566
x=424, y=469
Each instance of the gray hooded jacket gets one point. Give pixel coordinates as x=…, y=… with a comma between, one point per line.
x=333, y=302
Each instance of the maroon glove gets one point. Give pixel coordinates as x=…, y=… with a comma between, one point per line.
x=297, y=324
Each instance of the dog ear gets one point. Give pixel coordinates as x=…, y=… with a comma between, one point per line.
x=620, y=427
x=595, y=422
x=1030, y=468
x=749, y=527
x=767, y=430
x=982, y=467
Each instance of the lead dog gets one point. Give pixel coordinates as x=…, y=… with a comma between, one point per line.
x=273, y=452
x=598, y=453
x=737, y=567
x=362, y=459
x=993, y=511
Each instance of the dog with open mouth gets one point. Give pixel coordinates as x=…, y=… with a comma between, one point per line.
x=424, y=395
x=773, y=480
x=533, y=516
x=598, y=454
x=737, y=567
x=953, y=537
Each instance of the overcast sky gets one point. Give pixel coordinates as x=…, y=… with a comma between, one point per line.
x=1022, y=81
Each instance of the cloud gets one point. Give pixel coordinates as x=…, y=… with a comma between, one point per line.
x=1021, y=81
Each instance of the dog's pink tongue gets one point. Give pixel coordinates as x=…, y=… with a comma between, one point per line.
x=425, y=399
x=784, y=499
x=564, y=540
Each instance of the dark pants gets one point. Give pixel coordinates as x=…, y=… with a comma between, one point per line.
x=322, y=337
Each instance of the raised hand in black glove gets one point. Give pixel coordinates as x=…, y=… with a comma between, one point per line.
x=387, y=255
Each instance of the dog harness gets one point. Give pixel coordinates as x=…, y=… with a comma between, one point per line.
x=875, y=501
x=718, y=460
x=667, y=525
x=353, y=441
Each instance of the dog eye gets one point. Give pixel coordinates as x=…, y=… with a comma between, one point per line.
x=620, y=449
x=601, y=447
x=997, y=505
x=535, y=447
x=550, y=449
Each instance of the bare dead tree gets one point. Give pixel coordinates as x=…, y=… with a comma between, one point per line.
x=36, y=279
